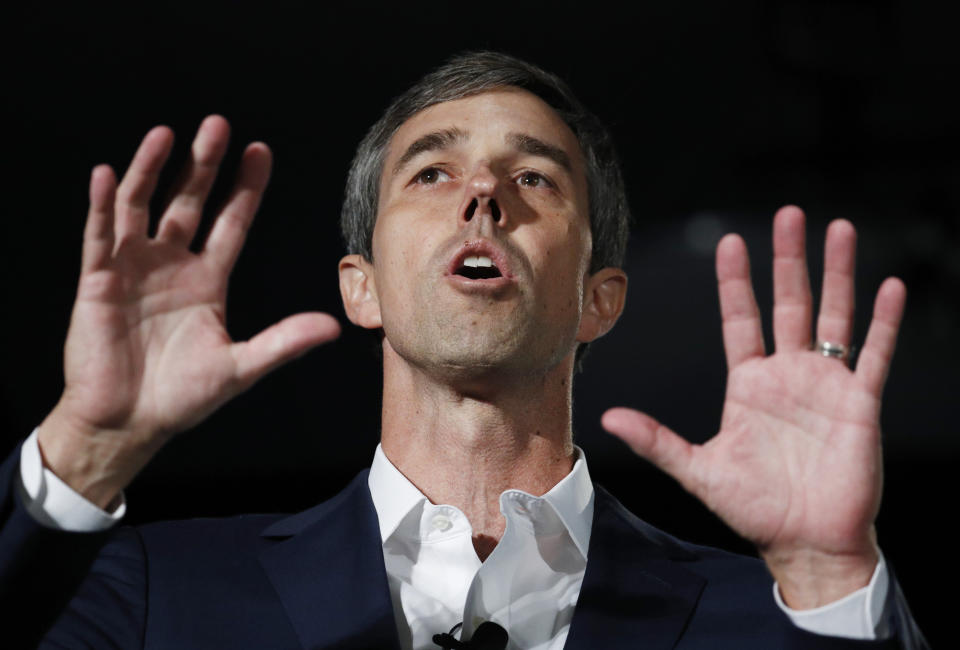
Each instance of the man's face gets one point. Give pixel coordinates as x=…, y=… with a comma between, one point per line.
x=482, y=242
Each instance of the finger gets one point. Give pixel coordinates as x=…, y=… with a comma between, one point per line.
x=792, y=302
x=742, y=329
x=282, y=342
x=182, y=216
x=230, y=229
x=835, y=322
x=651, y=440
x=133, y=195
x=873, y=363
x=98, y=231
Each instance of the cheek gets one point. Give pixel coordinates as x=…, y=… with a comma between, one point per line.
x=567, y=250
x=564, y=269
x=394, y=239
x=403, y=243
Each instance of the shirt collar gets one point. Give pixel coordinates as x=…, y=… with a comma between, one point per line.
x=394, y=497
x=572, y=499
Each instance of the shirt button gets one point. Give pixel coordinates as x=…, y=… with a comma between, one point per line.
x=441, y=523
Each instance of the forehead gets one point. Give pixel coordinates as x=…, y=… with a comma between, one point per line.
x=491, y=114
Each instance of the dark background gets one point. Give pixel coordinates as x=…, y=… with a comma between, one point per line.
x=722, y=112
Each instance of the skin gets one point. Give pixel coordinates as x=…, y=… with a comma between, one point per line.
x=798, y=431
x=477, y=382
x=147, y=352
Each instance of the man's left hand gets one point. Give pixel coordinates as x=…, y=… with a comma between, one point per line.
x=796, y=466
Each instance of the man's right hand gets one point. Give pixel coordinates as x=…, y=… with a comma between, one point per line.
x=147, y=353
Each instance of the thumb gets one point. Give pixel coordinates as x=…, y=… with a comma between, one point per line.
x=280, y=343
x=651, y=440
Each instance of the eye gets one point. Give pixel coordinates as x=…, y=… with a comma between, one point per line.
x=533, y=179
x=430, y=176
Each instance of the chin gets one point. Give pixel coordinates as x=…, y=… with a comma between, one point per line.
x=502, y=351
x=481, y=368
x=477, y=361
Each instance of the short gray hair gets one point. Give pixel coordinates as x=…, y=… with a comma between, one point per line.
x=471, y=74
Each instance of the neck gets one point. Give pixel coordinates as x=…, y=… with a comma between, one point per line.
x=463, y=442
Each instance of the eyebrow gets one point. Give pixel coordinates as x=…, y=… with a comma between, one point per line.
x=535, y=147
x=447, y=138
x=436, y=141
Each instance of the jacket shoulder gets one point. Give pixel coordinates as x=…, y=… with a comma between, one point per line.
x=239, y=532
x=673, y=547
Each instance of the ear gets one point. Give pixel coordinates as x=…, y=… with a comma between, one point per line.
x=603, y=298
x=359, y=292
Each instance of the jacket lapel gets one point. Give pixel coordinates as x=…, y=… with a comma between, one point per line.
x=327, y=568
x=635, y=592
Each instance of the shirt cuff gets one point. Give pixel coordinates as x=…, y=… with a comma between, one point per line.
x=860, y=615
x=53, y=503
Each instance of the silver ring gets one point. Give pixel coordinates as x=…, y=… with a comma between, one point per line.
x=833, y=350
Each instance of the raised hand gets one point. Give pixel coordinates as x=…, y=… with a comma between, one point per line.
x=147, y=353
x=796, y=465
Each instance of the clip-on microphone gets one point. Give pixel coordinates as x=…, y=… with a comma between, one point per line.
x=488, y=636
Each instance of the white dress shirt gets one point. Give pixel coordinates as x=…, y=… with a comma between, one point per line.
x=531, y=581
x=529, y=584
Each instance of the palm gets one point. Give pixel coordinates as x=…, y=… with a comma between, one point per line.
x=143, y=330
x=796, y=465
x=148, y=351
x=795, y=456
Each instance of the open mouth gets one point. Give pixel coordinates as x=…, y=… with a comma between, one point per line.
x=478, y=267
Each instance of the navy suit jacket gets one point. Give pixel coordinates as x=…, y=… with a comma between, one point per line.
x=316, y=580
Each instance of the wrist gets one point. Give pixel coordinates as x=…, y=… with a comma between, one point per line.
x=811, y=578
x=97, y=463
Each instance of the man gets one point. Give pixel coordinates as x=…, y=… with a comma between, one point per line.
x=486, y=221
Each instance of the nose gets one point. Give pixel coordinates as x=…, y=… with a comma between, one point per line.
x=484, y=205
x=480, y=199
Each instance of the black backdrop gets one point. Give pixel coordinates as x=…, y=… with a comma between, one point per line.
x=722, y=112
